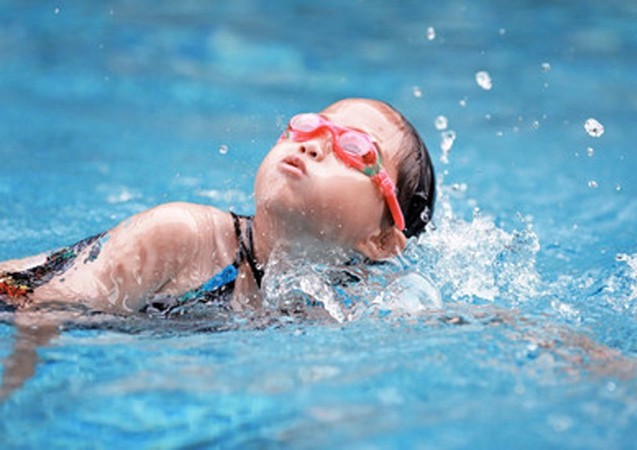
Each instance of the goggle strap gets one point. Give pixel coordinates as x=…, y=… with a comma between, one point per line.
x=388, y=189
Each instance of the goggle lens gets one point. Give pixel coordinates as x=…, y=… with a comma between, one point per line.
x=357, y=144
x=306, y=123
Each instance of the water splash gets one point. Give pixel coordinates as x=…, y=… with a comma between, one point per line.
x=408, y=295
x=476, y=260
x=431, y=33
x=621, y=288
x=294, y=287
x=457, y=261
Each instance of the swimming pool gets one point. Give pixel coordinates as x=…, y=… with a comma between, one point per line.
x=512, y=325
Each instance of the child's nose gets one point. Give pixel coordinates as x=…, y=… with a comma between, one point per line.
x=313, y=149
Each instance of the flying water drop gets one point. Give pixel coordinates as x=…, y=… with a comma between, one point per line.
x=484, y=80
x=441, y=123
x=593, y=127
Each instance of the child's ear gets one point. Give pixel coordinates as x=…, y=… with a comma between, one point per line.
x=385, y=244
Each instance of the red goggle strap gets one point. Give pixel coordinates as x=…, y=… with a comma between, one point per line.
x=387, y=187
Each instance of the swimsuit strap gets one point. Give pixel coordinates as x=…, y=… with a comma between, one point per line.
x=246, y=252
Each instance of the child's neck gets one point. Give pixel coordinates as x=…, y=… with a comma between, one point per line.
x=280, y=235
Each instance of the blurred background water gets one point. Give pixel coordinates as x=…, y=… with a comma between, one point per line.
x=510, y=325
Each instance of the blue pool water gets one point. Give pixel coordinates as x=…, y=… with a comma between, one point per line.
x=511, y=325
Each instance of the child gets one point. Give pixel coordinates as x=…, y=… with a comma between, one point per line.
x=355, y=177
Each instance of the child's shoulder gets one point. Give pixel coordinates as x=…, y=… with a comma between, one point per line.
x=185, y=210
x=176, y=217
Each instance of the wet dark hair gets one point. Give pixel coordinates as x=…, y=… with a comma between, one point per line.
x=416, y=184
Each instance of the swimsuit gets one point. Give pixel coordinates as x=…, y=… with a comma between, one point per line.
x=16, y=286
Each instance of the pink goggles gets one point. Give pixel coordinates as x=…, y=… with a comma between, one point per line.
x=355, y=148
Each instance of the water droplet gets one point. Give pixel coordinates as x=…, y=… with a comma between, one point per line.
x=56, y=11
x=484, y=80
x=446, y=142
x=593, y=127
x=593, y=184
x=417, y=92
x=448, y=138
x=223, y=149
x=535, y=124
x=441, y=123
x=502, y=31
x=431, y=33
x=618, y=187
x=460, y=187
x=499, y=133
x=487, y=116
x=590, y=151
x=546, y=67
x=463, y=102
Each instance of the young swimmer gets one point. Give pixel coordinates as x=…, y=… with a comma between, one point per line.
x=357, y=176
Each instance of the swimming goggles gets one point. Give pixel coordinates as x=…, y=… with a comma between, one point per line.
x=355, y=148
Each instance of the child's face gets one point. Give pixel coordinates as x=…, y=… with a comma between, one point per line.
x=313, y=192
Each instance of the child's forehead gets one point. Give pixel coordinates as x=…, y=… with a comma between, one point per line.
x=373, y=117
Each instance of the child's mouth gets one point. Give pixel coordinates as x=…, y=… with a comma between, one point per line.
x=293, y=165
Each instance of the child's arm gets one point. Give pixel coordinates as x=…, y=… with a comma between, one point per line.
x=148, y=253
